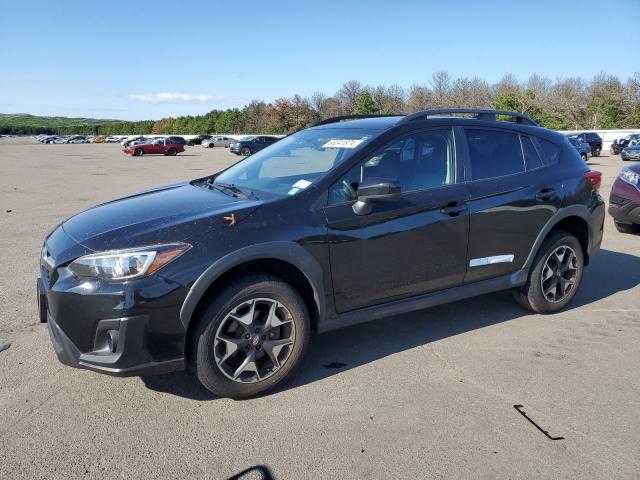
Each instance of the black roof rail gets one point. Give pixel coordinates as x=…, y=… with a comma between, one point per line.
x=480, y=114
x=340, y=118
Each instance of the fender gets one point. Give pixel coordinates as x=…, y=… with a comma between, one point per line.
x=289, y=252
x=580, y=211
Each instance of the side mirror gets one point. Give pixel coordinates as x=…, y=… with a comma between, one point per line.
x=373, y=190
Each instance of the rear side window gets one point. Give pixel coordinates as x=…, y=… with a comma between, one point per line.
x=494, y=153
x=550, y=151
x=531, y=158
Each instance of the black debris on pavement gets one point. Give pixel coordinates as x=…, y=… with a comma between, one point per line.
x=4, y=345
x=335, y=365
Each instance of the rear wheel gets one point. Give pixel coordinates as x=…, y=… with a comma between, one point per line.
x=596, y=151
x=555, y=275
x=250, y=337
x=138, y=152
x=246, y=151
x=172, y=151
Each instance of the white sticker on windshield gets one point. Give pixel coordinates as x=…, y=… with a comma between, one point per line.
x=343, y=143
x=301, y=184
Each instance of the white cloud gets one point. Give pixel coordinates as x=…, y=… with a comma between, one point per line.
x=167, y=97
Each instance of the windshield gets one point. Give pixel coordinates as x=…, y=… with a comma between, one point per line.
x=297, y=161
x=247, y=138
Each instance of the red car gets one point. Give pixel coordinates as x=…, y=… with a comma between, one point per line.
x=624, y=201
x=157, y=147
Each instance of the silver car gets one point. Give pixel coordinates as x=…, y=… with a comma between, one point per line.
x=218, y=141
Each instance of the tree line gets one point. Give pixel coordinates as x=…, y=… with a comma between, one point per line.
x=604, y=102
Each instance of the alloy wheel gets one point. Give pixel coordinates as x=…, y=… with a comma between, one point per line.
x=254, y=340
x=559, y=274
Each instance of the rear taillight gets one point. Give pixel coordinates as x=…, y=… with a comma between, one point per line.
x=594, y=178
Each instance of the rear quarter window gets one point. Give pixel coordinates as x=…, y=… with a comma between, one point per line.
x=550, y=151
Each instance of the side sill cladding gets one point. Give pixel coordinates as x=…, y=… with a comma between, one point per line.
x=289, y=252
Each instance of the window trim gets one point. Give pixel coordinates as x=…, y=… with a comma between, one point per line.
x=361, y=162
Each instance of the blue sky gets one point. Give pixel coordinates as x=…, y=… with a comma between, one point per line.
x=113, y=59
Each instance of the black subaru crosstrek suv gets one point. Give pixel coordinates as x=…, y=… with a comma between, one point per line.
x=593, y=139
x=349, y=221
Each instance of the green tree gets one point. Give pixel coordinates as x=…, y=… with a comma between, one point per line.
x=365, y=104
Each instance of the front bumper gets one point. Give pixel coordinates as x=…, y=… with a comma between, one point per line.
x=629, y=156
x=624, y=202
x=127, y=328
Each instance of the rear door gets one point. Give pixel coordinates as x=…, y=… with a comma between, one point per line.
x=512, y=196
x=404, y=248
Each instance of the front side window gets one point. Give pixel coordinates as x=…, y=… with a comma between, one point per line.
x=494, y=153
x=418, y=161
x=290, y=165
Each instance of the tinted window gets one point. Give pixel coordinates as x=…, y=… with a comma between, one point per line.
x=531, y=158
x=494, y=153
x=550, y=151
x=418, y=161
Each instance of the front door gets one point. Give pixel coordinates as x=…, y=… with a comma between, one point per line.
x=405, y=248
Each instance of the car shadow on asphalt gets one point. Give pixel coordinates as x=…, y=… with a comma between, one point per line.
x=340, y=350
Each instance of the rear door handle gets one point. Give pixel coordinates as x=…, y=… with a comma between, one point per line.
x=453, y=209
x=545, y=194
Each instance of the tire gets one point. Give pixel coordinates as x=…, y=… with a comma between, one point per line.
x=138, y=152
x=626, y=227
x=211, y=145
x=246, y=151
x=596, y=151
x=211, y=358
x=531, y=295
x=584, y=157
x=172, y=151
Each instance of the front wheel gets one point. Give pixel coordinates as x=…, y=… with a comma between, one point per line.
x=250, y=338
x=555, y=275
x=138, y=152
x=584, y=157
x=211, y=145
x=596, y=152
x=246, y=151
x=626, y=227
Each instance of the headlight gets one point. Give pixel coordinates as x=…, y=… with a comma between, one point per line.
x=127, y=264
x=631, y=177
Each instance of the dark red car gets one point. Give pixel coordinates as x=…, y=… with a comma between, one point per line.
x=157, y=147
x=624, y=201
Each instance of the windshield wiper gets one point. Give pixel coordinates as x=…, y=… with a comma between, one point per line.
x=232, y=188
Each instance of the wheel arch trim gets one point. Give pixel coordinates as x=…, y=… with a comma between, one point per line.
x=285, y=251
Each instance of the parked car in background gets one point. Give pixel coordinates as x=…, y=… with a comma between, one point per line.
x=630, y=153
x=100, y=139
x=77, y=139
x=334, y=225
x=111, y=139
x=175, y=139
x=218, y=141
x=583, y=148
x=593, y=139
x=624, y=200
x=160, y=146
x=619, y=144
x=133, y=140
x=198, y=140
x=251, y=144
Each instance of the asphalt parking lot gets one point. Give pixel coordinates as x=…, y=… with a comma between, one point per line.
x=425, y=395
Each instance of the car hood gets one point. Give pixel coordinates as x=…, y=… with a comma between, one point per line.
x=635, y=167
x=634, y=148
x=167, y=214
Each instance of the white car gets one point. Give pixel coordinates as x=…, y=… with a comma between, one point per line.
x=77, y=139
x=218, y=141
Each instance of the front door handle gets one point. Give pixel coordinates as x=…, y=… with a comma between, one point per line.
x=545, y=194
x=453, y=209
